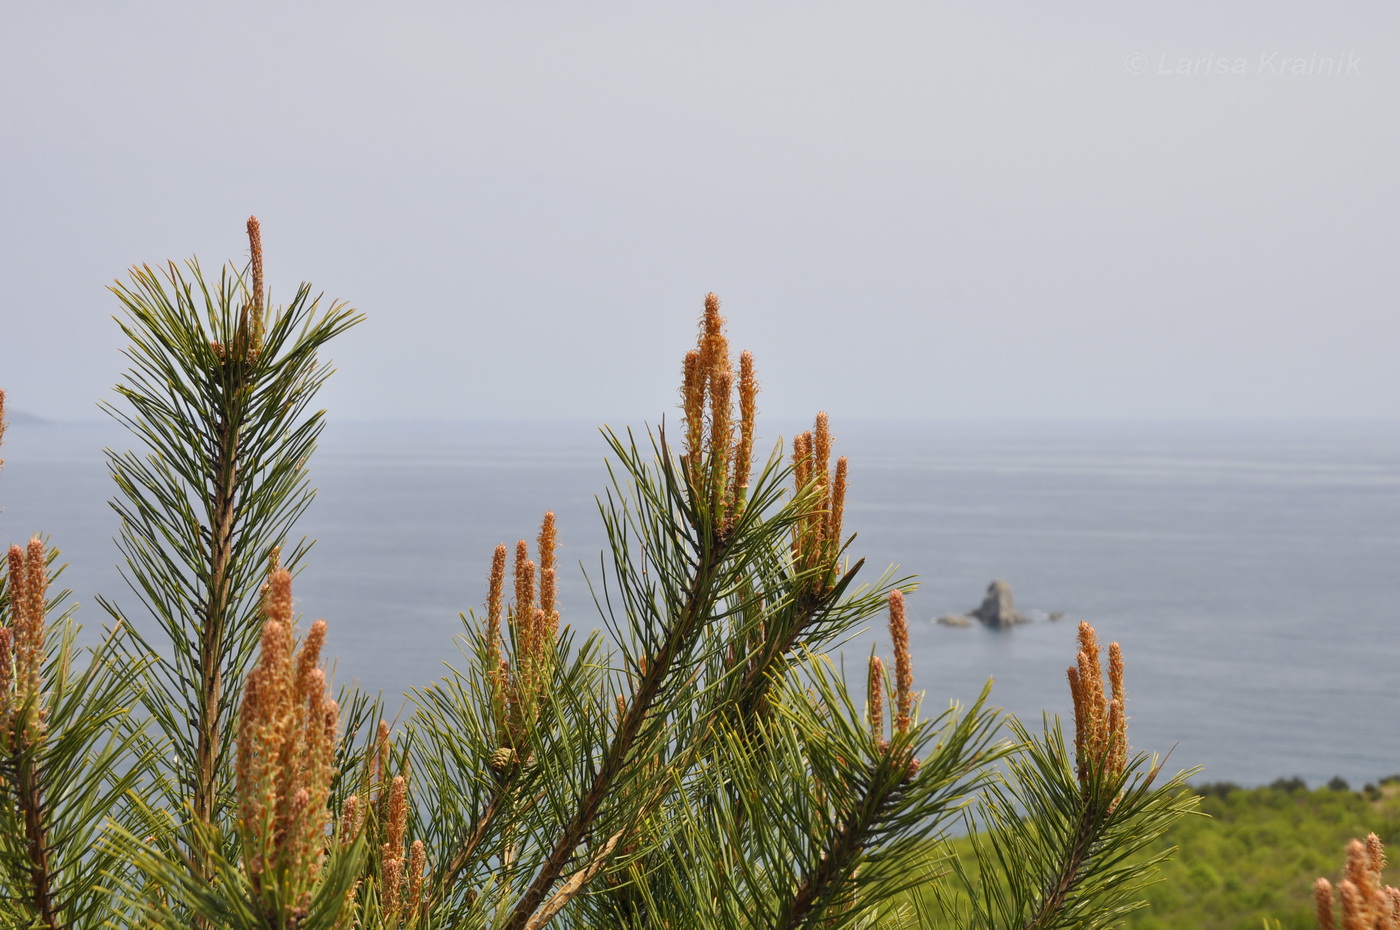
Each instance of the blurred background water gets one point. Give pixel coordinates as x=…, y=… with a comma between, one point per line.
x=1249, y=569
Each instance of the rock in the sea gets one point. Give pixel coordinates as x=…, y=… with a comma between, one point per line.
x=998, y=608
x=955, y=620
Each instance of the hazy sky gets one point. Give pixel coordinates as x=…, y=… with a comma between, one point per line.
x=923, y=209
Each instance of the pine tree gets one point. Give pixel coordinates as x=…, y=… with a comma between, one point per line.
x=699, y=762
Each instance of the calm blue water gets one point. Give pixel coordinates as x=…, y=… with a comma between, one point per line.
x=1248, y=569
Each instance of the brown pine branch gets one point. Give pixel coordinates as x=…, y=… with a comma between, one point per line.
x=29, y=793
x=575, y=884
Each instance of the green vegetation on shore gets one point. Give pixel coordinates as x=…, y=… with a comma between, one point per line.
x=1253, y=854
x=1257, y=851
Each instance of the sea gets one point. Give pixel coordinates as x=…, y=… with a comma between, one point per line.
x=1249, y=569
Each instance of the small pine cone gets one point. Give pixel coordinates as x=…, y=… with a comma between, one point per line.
x=911, y=770
x=502, y=757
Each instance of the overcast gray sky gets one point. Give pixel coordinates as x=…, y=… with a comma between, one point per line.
x=924, y=209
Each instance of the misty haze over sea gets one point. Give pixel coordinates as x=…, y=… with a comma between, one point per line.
x=1248, y=568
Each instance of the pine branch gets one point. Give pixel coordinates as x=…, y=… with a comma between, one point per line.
x=1060, y=832
x=680, y=637
x=788, y=635
x=575, y=884
x=218, y=394
x=68, y=750
x=24, y=722
x=1074, y=862
x=468, y=850
x=30, y=799
x=823, y=880
x=213, y=621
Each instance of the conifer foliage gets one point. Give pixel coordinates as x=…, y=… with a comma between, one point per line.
x=699, y=762
x=68, y=754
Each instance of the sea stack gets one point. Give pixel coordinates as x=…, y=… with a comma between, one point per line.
x=998, y=608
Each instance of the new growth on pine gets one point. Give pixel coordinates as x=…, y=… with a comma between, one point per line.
x=718, y=465
x=817, y=541
x=517, y=690
x=23, y=719
x=22, y=647
x=1367, y=903
x=288, y=732
x=1100, y=722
